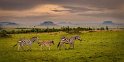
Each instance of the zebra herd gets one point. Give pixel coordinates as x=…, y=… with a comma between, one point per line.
x=64, y=40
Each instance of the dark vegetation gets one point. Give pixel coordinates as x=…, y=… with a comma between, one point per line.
x=3, y=34
x=77, y=30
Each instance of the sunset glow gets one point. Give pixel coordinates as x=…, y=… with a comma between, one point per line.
x=64, y=10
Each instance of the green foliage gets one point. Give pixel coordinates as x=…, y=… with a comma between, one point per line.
x=107, y=28
x=0, y=28
x=67, y=29
x=3, y=34
x=38, y=30
x=102, y=28
x=74, y=30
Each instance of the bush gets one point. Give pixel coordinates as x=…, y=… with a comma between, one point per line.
x=3, y=33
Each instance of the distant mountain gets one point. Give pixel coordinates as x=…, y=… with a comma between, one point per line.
x=48, y=23
x=66, y=24
x=108, y=22
x=8, y=24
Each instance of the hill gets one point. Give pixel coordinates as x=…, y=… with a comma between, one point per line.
x=8, y=24
x=48, y=23
x=108, y=22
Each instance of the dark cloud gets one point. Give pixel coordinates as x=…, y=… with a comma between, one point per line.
x=115, y=15
x=114, y=7
x=72, y=9
x=59, y=10
x=19, y=4
x=77, y=9
x=26, y=4
x=39, y=17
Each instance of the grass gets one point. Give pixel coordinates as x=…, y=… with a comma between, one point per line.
x=105, y=46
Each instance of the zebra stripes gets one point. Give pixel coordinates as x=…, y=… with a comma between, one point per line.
x=46, y=44
x=65, y=40
x=26, y=42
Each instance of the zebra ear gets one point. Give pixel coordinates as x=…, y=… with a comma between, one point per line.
x=52, y=41
x=75, y=37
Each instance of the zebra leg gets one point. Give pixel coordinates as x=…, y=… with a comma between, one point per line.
x=73, y=45
x=64, y=46
x=70, y=45
x=59, y=47
x=29, y=47
x=41, y=47
x=18, y=46
x=49, y=47
x=22, y=48
x=61, y=44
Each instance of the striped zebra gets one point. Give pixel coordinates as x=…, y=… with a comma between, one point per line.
x=46, y=44
x=26, y=42
x=65, y=40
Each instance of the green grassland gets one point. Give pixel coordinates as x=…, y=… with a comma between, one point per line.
x=104, y=46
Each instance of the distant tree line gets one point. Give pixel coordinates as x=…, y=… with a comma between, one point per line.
x=38, y=30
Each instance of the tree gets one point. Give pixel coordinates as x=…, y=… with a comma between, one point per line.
x=0, y=28
x=89, y=28
x=102, y=28
x=107, y=28
x=3, y=33
x=68, y=28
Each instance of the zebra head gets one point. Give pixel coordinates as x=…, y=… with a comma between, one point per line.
x=77, y=38
x=33, y=39
x=52, y=42
x=63, y=38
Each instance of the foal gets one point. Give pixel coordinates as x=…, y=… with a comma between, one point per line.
x=46, y=44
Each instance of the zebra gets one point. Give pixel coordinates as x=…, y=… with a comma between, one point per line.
x=46, y=43
x=26, y=42
x=65, y=40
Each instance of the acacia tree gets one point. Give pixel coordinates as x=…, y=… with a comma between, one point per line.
x=0, y=28
x=3, y=33
x=107, y=28
x=102, y=28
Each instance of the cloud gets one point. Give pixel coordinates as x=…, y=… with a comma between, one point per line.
x=26, y=4
x=59, y=9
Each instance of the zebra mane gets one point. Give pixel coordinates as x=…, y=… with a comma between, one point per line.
x=33, y=39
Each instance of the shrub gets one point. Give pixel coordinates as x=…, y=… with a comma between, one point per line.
x=3, y=34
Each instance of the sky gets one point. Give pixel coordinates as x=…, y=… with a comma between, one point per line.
x=77, y=11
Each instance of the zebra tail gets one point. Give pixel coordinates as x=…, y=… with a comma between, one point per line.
x=15, y=45
x=58, y=44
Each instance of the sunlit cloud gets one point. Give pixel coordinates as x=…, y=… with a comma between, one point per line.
x=61, y=10
x=38, y=10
